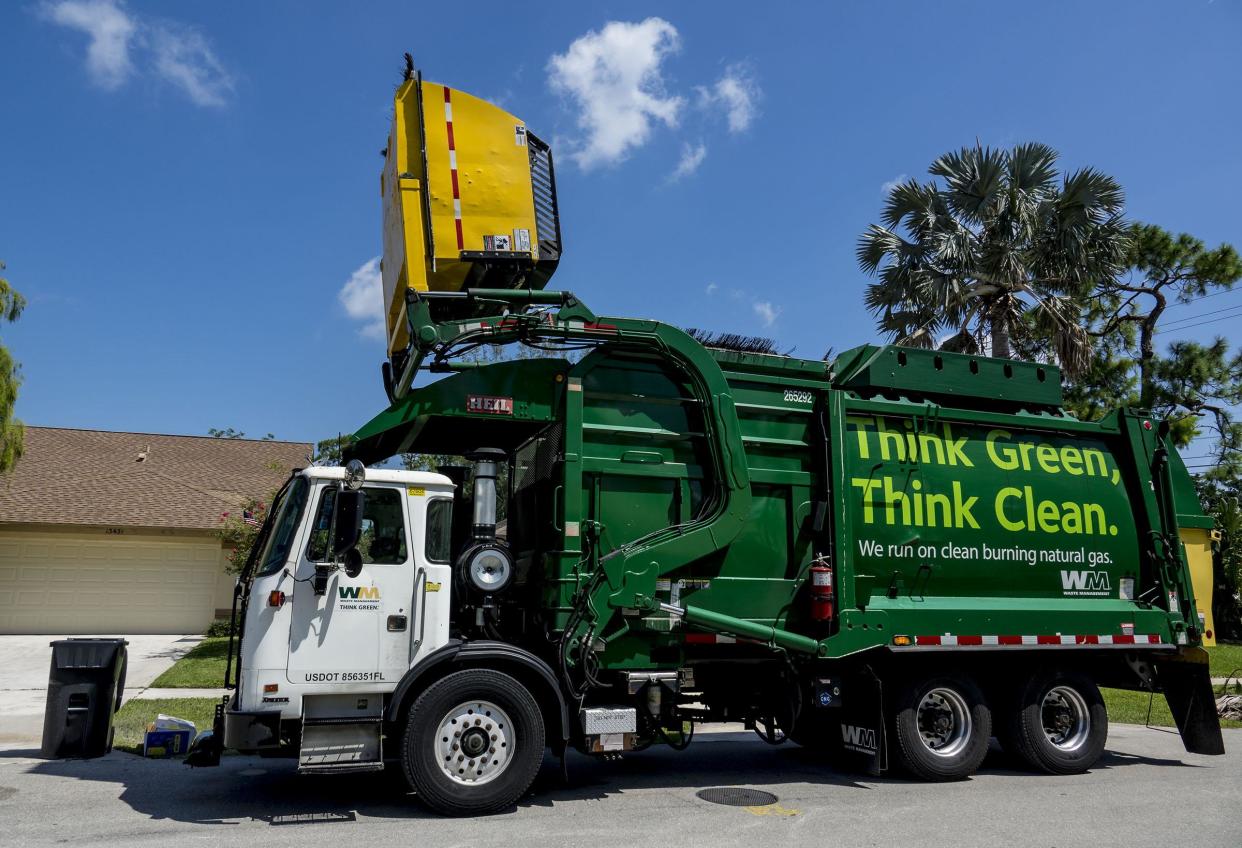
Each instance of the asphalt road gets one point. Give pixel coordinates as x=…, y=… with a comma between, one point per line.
x=1146, y=791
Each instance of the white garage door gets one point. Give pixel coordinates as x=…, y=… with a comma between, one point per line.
x=70, y=583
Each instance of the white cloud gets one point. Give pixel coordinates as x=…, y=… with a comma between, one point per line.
x=120, y=40
x=692, y=156
x=737, y=94
x=711, y=288
x=111, y=31
x=766, y=311
x=363, y=298
x=613, y=76
x=184, y=58
x=886, y=188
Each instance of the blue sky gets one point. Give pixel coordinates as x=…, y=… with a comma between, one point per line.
x=187, y=188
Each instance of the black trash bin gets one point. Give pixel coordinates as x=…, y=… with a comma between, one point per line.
x=84, y=689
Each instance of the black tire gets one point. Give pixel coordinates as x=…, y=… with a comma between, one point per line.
x=948, y=738
x=420, y=757
x=1057, y=723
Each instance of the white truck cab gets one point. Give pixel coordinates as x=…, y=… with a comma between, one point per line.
x=321, y=648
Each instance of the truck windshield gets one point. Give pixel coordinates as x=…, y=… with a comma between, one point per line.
x=286, y=515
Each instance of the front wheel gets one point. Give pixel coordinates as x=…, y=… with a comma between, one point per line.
x=942, y=726
x=1059, y=723
x=473, y=743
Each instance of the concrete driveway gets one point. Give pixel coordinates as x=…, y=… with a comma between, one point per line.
x=24, y=664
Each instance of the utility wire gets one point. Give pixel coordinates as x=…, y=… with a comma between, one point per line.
x=1234, y=308
x=1201, y=323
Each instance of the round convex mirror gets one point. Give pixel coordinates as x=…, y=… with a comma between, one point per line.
x=355, y=475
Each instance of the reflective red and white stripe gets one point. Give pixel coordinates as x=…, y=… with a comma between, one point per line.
x=948, y=640
x=452, y=148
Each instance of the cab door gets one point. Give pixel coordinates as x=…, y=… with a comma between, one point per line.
x=357, y=631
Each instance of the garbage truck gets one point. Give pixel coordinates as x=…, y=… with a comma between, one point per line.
x=889, y=558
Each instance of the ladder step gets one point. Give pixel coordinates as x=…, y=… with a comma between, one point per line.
x=341, y=768
x=359, y=720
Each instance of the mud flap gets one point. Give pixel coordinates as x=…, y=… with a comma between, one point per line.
x=862, y=721
x=1188, y=689
x=206, y=749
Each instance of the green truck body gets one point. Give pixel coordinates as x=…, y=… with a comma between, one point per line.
x=900, y=551
x=950, y=493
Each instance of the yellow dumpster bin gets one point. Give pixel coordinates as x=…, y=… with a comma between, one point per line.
x=469, y=199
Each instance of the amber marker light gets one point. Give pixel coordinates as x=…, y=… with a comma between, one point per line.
x=902, y=641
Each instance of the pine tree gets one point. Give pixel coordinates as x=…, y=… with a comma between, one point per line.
x=1196, y=387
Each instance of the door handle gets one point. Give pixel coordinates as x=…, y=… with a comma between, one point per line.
x=396, y=623
x=419, y=599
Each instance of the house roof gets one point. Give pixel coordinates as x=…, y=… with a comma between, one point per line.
x=96, y=477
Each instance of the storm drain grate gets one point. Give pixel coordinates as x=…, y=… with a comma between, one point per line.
x=732, y=796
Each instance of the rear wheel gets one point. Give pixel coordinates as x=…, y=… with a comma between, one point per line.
x=473, y=743
x=1059, y=723
x=942, y=727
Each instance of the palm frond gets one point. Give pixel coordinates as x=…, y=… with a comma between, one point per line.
x=1031, y=169
x=974, y=177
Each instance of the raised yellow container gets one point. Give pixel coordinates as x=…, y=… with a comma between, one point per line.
x=1198, y=544
x=469, y=200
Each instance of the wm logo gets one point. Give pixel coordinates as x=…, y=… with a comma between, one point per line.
x=858, y=738
x=1085, y=581
x=358, y=593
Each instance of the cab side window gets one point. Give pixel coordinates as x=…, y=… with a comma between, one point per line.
x=383, y=527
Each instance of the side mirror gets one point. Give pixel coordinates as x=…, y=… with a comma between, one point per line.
x=348, y=522
x=352, y=563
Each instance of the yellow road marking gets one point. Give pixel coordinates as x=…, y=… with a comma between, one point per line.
x=771, y=810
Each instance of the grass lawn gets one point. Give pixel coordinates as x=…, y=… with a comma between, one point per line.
x=1224, y=659
x=1126, y=707
x=131, y=722
x=201, y=668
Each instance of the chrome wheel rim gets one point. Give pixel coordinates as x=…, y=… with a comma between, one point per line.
x=474, y=743
x=1065, y=718
x=944, y=722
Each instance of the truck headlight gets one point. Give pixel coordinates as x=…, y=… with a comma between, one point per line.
x=488, y=567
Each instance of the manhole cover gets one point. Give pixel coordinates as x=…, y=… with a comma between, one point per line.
x=733, y=797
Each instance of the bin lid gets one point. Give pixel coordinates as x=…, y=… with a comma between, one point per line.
x=86, y=652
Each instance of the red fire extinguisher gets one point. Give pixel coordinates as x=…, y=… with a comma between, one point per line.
x=823, y=599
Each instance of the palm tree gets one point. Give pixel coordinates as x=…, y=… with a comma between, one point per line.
x=997, y=258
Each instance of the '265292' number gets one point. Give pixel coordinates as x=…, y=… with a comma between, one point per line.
x=793, y=396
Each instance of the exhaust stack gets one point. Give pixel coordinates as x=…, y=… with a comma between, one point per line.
x=486, y=467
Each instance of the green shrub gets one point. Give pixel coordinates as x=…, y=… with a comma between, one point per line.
x=219, y=627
